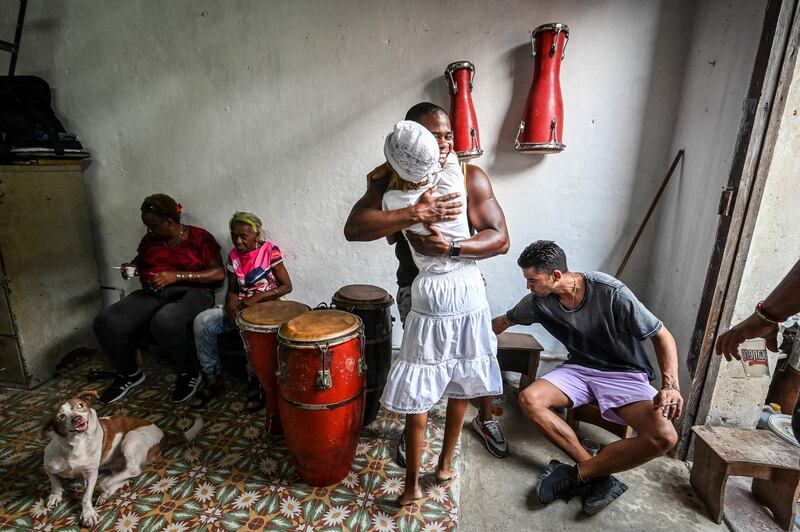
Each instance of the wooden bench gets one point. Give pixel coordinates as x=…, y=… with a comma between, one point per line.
x=519, y=352
x=772, y=463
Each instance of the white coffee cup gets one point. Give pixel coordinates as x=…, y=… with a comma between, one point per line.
x=755, y=358
x=130, y=271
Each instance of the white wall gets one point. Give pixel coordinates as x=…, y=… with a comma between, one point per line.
x=718, y=70
x=281, y=107
x=774, y=250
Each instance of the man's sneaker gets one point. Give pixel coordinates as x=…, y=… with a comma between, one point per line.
x=400, y=453
x=185, y=386
x=558, y=481
x=492, y=437
x=602, y=492
x=120, y=387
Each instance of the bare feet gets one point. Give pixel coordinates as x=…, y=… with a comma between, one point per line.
x=444, y=473
x=410, y=497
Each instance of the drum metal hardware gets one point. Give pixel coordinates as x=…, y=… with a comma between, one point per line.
x=362, y=359
x=519, y=131
x=324, y=380
x=323, y=406
x=282, y=370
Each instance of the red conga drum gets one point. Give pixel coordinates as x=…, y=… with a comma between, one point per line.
x=459, y=77
x=373, y=305
x=321, y=380
x=258, y=326
x=542, y=126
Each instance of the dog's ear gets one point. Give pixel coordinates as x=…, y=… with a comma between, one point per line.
x=52, y=424
x=88, y=396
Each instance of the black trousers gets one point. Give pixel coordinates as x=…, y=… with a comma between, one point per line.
x=168, y=314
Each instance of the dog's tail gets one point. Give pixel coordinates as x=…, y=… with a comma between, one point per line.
x=177, y=439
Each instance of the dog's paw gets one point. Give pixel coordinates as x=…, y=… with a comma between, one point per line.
x=54, y=500
x=89, y=517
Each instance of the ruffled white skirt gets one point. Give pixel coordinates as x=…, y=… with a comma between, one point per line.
x=448, y=349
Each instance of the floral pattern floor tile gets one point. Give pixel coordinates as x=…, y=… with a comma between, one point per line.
x=231, y=477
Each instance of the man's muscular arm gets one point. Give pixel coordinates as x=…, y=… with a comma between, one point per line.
x=368, y=222
x=487, y=219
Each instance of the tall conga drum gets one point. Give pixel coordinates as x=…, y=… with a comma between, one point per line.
x=460, y=77
x=321, y=380
x=542, y=126
x=258, y=326
x=373, y=305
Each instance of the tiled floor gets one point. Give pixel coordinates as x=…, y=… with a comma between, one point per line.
x=230, y=478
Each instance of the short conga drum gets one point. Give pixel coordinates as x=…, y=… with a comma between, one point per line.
x=460, y=77
x=258, y=326
x=321, y=380
x=542, y=127
x=373, y=305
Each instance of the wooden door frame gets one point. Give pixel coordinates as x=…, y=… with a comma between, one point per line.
x=755, y=145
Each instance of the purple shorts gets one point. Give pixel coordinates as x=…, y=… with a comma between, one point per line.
x=611, y=389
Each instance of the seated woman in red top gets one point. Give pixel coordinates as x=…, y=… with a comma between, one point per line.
x=179, y=267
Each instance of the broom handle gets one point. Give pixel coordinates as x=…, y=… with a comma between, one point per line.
x=677, y=159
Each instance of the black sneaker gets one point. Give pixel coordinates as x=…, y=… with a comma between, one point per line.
x=558, y=481
x=185, y=386
x=400, y=453
x=602, y=492
x=120, y=387
x=492, y=437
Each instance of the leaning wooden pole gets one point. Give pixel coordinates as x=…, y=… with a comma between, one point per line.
x=675, y=162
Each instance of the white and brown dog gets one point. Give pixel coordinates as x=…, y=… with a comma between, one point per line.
x=81, y=444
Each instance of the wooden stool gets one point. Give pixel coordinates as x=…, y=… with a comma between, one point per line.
x=773, y=464
x=590, y=413
x=519, y=352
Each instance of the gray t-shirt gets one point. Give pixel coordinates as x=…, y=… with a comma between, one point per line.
x=604, y=332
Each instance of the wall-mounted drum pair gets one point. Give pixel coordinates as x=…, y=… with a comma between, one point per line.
x=542, y=127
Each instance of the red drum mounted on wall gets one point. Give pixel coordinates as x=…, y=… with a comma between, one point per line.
x=542, y=126
x=459, y=77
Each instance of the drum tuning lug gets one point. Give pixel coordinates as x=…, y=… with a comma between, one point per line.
x=324, y=381
x=519, y=132
x=555, y=44
x=362, y=366
x=281, y=371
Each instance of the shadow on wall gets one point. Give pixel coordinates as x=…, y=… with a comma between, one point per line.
x=520, y=69
x=435, y=91
x=666, y=77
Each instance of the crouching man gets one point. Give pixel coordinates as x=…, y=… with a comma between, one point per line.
x=602, y=325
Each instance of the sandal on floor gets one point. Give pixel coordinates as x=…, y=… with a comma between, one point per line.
x=204, y=395
x=255, y=396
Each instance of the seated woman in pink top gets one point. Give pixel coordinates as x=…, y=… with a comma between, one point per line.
x=256, y=273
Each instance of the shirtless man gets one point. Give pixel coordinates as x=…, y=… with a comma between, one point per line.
x=368, y=222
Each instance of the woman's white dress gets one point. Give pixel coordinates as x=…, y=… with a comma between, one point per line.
x=448, y=348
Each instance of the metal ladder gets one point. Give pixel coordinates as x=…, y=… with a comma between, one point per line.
x=13, y=47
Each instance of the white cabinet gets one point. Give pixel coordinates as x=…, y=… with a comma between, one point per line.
x=49, y=286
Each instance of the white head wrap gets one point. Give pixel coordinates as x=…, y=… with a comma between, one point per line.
x=412, y=151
